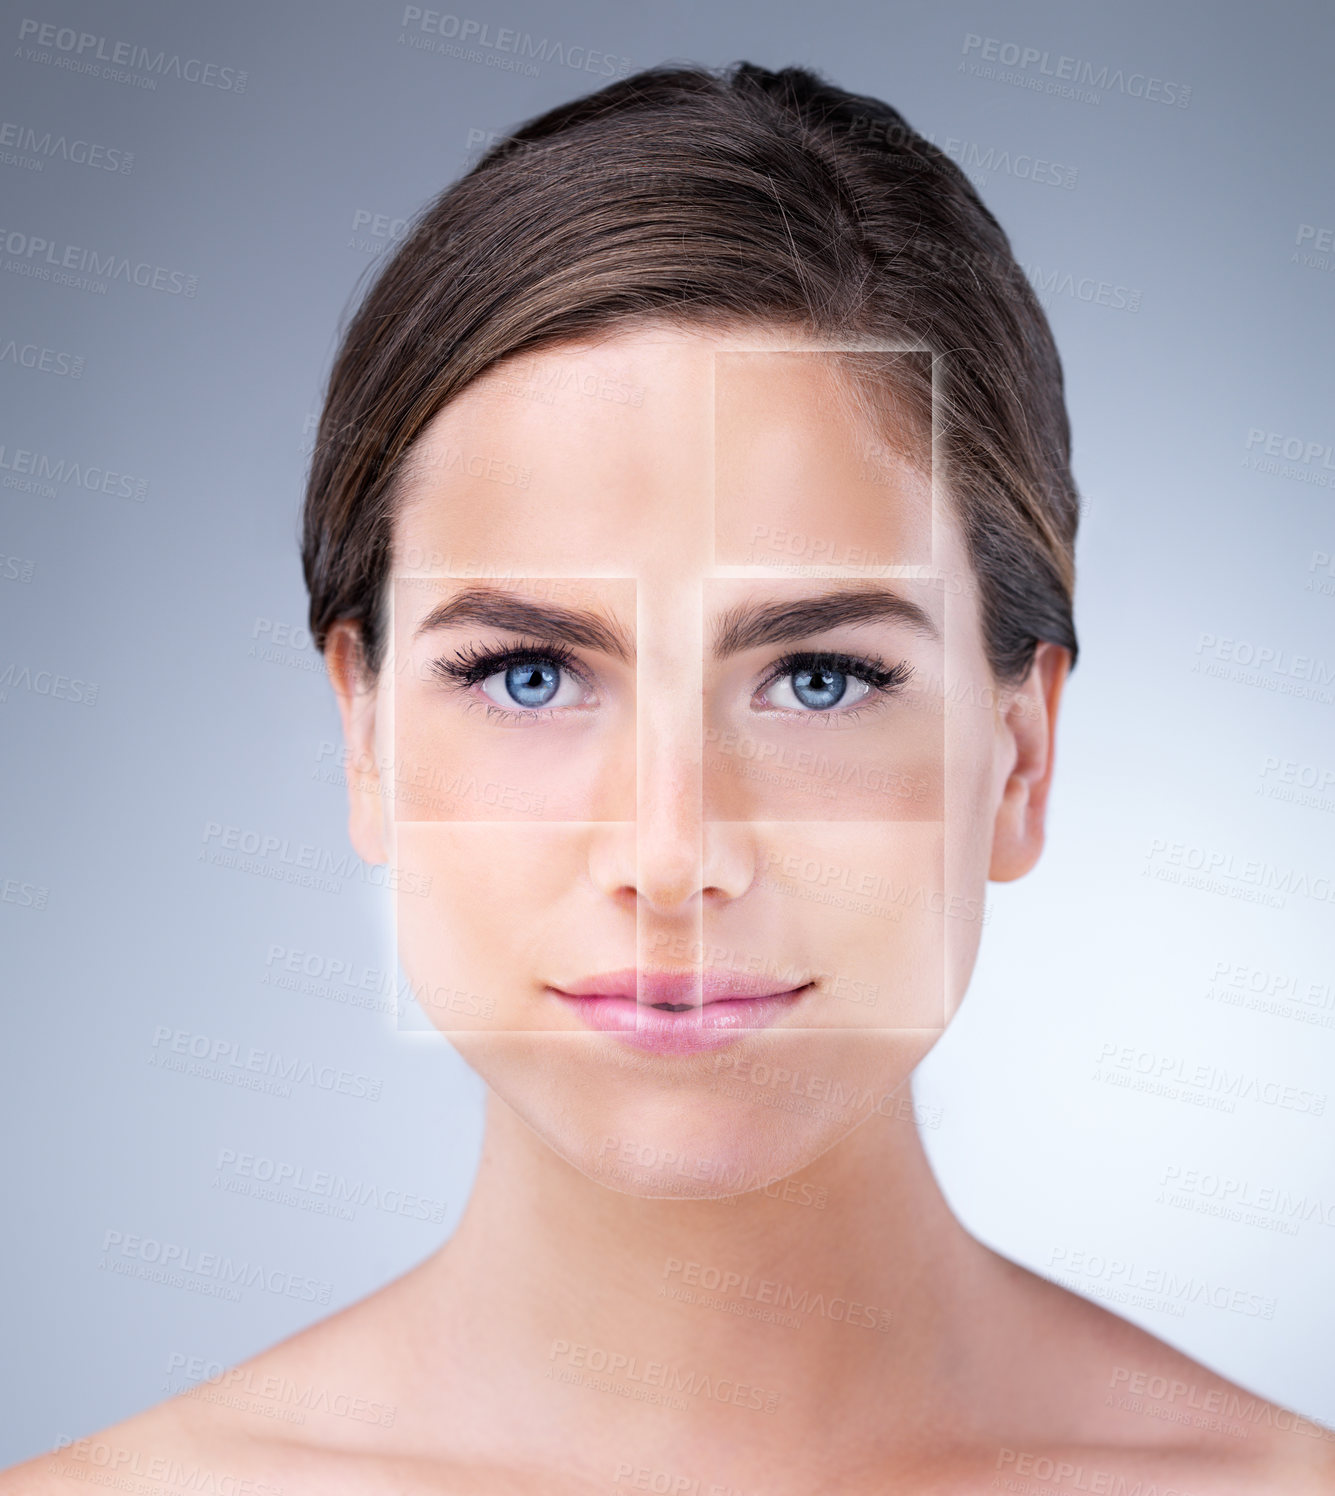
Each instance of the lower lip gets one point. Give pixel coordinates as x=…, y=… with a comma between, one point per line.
x=695, y=1031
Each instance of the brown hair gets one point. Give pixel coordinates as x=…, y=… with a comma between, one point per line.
x=712, y=199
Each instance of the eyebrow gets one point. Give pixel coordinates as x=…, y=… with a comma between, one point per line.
x=752, y=624
x=746, y=626
x=520, y=615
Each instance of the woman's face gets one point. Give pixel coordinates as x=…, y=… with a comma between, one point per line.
x=686, y=754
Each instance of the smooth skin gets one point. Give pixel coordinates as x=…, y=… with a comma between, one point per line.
x=565, y=1339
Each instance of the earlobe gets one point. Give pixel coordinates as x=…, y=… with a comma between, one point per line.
x=355, y=690
x=1029, y=725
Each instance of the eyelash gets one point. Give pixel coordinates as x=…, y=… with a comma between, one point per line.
x=884, y=680
x=473, y=664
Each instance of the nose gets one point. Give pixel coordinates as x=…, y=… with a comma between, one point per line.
x=670, y=853
x=661, y=863
x=671, y=861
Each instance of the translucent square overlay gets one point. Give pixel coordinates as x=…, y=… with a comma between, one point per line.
x=879, y=409
x=815, y=855
x=501, y=926
x=872, y=747
x=462, y=749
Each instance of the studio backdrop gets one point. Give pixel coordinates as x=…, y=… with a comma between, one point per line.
x=1136, y=1099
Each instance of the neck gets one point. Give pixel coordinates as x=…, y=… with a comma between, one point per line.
x=843, y=1297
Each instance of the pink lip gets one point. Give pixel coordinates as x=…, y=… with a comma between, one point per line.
x=721, y=1004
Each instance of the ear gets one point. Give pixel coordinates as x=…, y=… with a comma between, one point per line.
x=1027, y=727
x=358, y=694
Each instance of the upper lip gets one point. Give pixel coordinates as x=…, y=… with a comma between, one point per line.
x=678, y=989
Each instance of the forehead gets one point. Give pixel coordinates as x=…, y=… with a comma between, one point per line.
x=659, y=449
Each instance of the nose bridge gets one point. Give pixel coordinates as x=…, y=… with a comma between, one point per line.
x=669, y=757
x=671, y=854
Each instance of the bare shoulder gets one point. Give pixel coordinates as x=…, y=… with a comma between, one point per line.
x=292, y=1421
x=1149, y=1410
x=324, y=1411
x=182, y=1445
x=153, y=1445
x=250, y=1428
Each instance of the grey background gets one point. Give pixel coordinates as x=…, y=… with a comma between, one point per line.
x=184, y=606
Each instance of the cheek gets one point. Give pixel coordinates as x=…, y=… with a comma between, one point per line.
x=862, y=906
x=485, y=912
x=884, y=765
x=456, y=759
x=975, y=776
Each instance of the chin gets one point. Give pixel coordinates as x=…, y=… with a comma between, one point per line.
x=708, y=1126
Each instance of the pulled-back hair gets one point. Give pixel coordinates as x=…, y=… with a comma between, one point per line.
x=713, y=199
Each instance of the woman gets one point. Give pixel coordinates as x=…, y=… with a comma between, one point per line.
x=690, y=539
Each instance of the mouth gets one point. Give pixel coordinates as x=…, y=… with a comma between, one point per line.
x=679, y=1012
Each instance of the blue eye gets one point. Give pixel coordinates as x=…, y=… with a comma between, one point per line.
x=829, y=684
x=521, y=681
x=821, y=689
x=532, y=685
x=821, y=685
